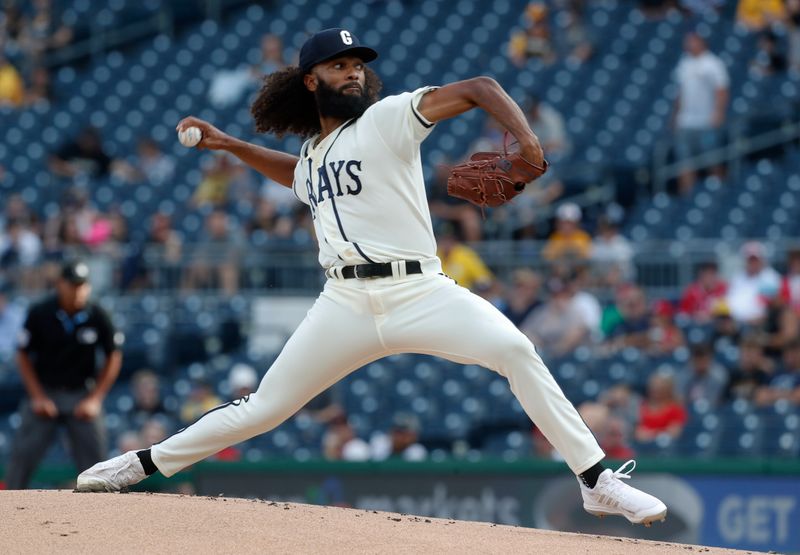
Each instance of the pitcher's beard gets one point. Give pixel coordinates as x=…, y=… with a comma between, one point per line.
x=335, y=104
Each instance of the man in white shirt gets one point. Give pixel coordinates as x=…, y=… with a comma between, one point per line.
x=747, y=288
x=360, y=173
x=700, y=106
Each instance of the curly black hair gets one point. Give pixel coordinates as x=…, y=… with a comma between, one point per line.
x=285, y=105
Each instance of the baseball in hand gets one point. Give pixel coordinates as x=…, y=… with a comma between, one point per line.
x=190, y=136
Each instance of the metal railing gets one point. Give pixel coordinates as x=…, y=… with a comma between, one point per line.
x=739, y=145
x=663, y=268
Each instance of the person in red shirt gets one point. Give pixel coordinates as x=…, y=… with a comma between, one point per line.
x=660, y=412
x=700, y=296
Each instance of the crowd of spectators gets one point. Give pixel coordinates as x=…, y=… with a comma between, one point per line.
x=28, y=32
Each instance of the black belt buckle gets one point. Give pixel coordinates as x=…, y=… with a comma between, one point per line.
x=355, y=272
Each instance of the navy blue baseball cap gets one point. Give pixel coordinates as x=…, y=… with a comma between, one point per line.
x=332, y=43
x=75, y=272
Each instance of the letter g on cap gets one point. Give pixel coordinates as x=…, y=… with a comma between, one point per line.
x=346, y=38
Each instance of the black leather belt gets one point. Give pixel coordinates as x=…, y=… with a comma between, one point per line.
x=384, y=269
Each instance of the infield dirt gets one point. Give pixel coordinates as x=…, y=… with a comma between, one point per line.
x=38, y=521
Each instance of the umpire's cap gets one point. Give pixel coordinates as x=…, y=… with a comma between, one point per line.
x=75, y=271
x=332, y=43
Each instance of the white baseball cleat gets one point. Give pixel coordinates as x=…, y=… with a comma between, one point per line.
x=610, y=496
x=113, y=474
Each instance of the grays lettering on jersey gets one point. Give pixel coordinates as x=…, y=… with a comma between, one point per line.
x=365, y=188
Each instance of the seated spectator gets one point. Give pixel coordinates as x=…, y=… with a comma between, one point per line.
x=262, y=222
x=622, y=402
x=661, y=412
x=242, y=380
x=744, y=291
x=129, y=441
x=769, y=58
x=634, y=326
x=612, y=254
x=12, y=317
x=576, y=41
x=585, y=302
x=272, y=57
x=340, y=443
x=611, y=431
x=201, y=400
x=568, y=241
x=755, y=15
x=753, y=371
x=780, y=325
x=147, y=402
x=705, y=378
x=20, y=247
x=215, y=261
x=12, y=87
x=790, y=285
x=154, y=430
x=460, y=262
x=701, y=295
x=153, y=164
x=725, y=331
x=557, y=327
x=524, y=296
x=535, y=41
x=401, y=442
x=785, y=384
x=39, y=90
x=83, y=158
x=664, y=336
x=45, y=31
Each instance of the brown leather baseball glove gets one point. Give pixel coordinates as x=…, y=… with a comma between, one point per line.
x=492, y=178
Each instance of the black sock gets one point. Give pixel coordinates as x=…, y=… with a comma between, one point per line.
x=589, y=477
x=147, y=462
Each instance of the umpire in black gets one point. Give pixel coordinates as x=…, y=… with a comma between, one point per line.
x=57, y=356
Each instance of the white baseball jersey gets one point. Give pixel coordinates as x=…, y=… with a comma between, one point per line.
x=365, y=187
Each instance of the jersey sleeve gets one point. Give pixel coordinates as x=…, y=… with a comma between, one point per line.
x=399, y=124
x=26, y=338
x=109, y=339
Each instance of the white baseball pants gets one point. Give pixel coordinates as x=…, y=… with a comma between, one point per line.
x=354, y=322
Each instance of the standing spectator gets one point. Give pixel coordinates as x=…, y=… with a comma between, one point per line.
x=460, y=262
x=790, y=285
x=83, y=158
x=786, y=383
x=701, y=295
x=700, y=106
x=56, y=358
x=705, y=378
x=744, y=293
x=524, y=297
x=12, y=316
x=557, y=327
x=661, y=412
x=568, y=241
x=215, y=261
x=12, y=87
x=535, y=41
x=754, y=370
x=548, y=124
x=612, y=254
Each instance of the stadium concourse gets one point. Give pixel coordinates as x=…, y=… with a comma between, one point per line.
x=182, y=242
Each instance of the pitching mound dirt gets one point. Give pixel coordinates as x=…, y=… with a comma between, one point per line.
x=66, y=522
